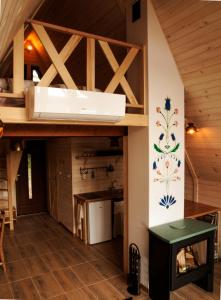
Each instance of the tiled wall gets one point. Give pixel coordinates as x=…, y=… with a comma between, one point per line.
x=102, y=180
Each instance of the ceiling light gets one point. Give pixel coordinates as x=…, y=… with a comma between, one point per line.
x=29, y=46
x=191, y=128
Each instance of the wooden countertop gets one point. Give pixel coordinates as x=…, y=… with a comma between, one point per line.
x=116, y=195
x=196, y=209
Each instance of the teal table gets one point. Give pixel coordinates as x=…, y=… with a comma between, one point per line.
x=164, y=243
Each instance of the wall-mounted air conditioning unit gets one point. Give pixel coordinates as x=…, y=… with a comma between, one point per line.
x=49, y=103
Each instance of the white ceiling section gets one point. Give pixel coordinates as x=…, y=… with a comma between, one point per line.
x=12, y=16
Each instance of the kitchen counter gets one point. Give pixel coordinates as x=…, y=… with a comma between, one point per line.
x=114, y=194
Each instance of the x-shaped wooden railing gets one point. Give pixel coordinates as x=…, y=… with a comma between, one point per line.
x=59, y=59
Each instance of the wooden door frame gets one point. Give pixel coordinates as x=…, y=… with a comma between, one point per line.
x=125, y=216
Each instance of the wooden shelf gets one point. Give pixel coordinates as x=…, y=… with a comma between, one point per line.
x=196, y=209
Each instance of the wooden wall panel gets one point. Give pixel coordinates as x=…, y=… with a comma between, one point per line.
x=193, y=31
x=189, y=192
x=102, y=179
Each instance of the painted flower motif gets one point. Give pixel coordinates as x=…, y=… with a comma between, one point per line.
x=167, y=201
x=179, y=163
x=175, y=123
x=158, y=172
x=158, y=123
x=158, y=109
x=161, y=136
x=167, y=104
x=176, y=111
x=167, y=164
x=173, y=136
x=154, y=165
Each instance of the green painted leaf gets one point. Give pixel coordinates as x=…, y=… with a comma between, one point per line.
x=157, y=148
x=175, y=148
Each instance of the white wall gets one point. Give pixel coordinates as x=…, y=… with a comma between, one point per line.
x=166, y=178
x=163, y=81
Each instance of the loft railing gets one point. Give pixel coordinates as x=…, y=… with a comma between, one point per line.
x=58, y=63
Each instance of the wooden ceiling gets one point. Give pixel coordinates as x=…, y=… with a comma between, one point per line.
x=193, y=31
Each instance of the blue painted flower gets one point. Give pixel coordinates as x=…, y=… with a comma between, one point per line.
x=173, y=136
x=179, y=163
x=154, y=165
x=167, y=104
x=161, y=136
x=167, y=201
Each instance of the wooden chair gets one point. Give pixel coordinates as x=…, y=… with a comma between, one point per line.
x=2, y=225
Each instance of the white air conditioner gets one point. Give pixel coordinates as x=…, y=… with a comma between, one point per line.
x=49, y=103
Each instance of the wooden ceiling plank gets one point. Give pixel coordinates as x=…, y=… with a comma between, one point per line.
x=192, y=22
x=199, y=38
x=122, y=70
x=64, y=55
x=115, y=66
x=56, y=59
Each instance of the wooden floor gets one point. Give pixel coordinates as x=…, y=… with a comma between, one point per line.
x=44, y=261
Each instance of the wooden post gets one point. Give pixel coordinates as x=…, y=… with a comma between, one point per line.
x=18, y=62
x=144, y=80
x=90, y=64
x=10, y=192
x=13, y=162
x=125, y=181
x=194, y=176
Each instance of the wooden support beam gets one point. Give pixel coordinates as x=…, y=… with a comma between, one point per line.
x=90, y=64
x=13, y=161
x=125, y=180
x=115, y=66
x=144, y=80
x=122, y=70
x=18, y=62
x=12, y=95
x=64, y=55
x=194, y=177
x=18, y=115
x=55, y=57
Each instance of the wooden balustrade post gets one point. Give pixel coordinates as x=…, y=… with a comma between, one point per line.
x=18, y=62
x=90, y=64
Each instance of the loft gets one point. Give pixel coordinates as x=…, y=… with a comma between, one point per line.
x=123, y=76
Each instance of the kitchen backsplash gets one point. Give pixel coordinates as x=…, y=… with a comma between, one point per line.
x=97, y=178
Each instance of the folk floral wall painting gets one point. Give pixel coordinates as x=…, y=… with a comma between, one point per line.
x=167, y=164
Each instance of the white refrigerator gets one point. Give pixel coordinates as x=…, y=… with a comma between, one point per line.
x=99, y=221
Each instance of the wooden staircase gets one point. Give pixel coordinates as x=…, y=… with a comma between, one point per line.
x=9, y=165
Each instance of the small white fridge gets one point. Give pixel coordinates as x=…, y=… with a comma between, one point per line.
x=99, y=221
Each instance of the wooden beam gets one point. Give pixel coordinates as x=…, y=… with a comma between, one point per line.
x=64, y=54
x=48, y=131
x=121, y=70
x=18, y=62
x=139, y=106
x=90, y=64
x=144, y=80
x=125, y=180
x=13, y=161
x=12, y=95
x=53, y=54
x=84, y=34
x=115, y=66
x=18, y=115
x=194, y=177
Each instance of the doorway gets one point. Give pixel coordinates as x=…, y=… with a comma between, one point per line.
x=31, y=188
